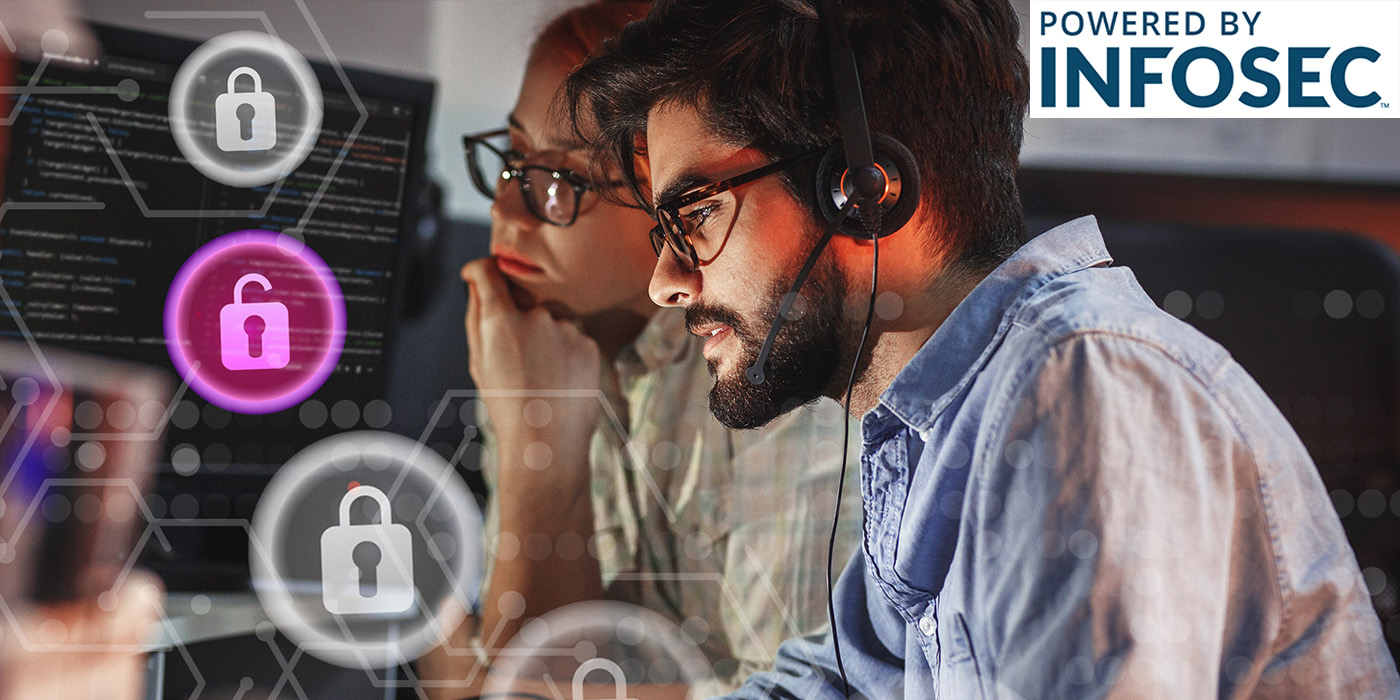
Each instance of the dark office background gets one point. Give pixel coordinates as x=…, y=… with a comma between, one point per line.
x=1224, y=185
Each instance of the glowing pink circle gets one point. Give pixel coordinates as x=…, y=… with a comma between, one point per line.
x=205, y=284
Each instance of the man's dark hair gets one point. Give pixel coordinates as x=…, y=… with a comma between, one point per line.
x=946, y=77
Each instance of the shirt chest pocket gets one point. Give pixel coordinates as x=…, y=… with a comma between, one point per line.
x=959, y=671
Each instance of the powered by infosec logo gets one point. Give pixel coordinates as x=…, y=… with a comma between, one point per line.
x=1215, y=58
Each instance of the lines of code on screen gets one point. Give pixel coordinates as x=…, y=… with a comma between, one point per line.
x=91, y=268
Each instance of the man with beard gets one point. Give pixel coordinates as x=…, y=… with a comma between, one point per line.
x=804, y=352
x=607, y=478
x=1068, y=493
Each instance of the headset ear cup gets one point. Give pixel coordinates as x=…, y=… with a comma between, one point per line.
x=899, y=205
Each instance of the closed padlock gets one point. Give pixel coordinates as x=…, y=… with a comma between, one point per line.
x=619, y=680
x=366, y=569
x=245, y=121
x=254, y=336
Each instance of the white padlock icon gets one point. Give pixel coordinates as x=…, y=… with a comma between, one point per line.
x=245, y=121
x=619, y=680
x=366, y=569
x=254, y=336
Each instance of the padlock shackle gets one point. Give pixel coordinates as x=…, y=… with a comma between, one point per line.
x=244, y=70
x=243, y=282
x=363, y=491
x=608, y=666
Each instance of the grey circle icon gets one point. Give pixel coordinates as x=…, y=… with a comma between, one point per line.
x=607, y=645
x=245, y=109
x=366, y=549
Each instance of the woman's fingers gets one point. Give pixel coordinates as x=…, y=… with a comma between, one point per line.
x=489, y=287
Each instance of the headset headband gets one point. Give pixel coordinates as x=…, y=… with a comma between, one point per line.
x=845, y=81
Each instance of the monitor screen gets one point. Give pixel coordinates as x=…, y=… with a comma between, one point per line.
x=104, y=210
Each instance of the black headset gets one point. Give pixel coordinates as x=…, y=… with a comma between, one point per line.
x=867, y=187
x=875, y=171
x=867, y=184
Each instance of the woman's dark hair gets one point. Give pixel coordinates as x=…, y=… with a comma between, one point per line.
x=946, y=77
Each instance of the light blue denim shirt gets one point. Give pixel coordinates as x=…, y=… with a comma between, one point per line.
x=1071, y=494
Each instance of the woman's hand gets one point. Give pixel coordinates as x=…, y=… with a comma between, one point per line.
x=522, y=360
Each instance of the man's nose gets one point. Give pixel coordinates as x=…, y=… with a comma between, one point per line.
x=671, y=284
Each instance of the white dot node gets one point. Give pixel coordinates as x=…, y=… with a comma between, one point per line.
x=696, y=629
x=889, y=306
x=1083, y=544
x=290, y=243
x=445, y=546
x=91, y=456
x=1177, y=303
x=1337, y=304
x=1239, y=668
x=1210, y=304
x=88, y=415
x=1375, y=580
x=1143, y=628
x=52, y=631
x=666, y=455
x=538, y=546
x=1019, y=454
x=150, y=594
x=569, y=546
x=1371, y=503
x=150, y=414
x=55, y=42
x=631, y=631
x=535, y=632
x=538, y=456
x=538, y=413
x=185, y=459
x=510, y=605
x=507, y=547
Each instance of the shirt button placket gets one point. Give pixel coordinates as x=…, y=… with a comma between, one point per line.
x=927, y=624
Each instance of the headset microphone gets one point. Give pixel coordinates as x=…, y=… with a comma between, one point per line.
x=756, y=374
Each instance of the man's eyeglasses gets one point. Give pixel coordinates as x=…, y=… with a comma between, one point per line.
x=552, y=195
x=703, y=216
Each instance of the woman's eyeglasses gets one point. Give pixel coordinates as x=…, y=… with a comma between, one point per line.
x=552, y=195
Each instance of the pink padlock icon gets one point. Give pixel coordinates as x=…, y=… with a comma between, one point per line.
x=254, y=336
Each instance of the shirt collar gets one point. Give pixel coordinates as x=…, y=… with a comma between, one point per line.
x=950, y=358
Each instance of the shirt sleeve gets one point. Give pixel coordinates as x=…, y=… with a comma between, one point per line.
x=872, y=644
x=775, y=555
x=613, y=541
x=1124, y=548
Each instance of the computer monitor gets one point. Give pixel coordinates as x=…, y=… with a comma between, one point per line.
x=87, y=254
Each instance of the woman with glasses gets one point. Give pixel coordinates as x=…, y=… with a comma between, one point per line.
x=609, y=477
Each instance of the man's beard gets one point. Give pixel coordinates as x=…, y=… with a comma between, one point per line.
x=805, y=356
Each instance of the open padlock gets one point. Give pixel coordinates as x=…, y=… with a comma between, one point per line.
x=254, y=336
